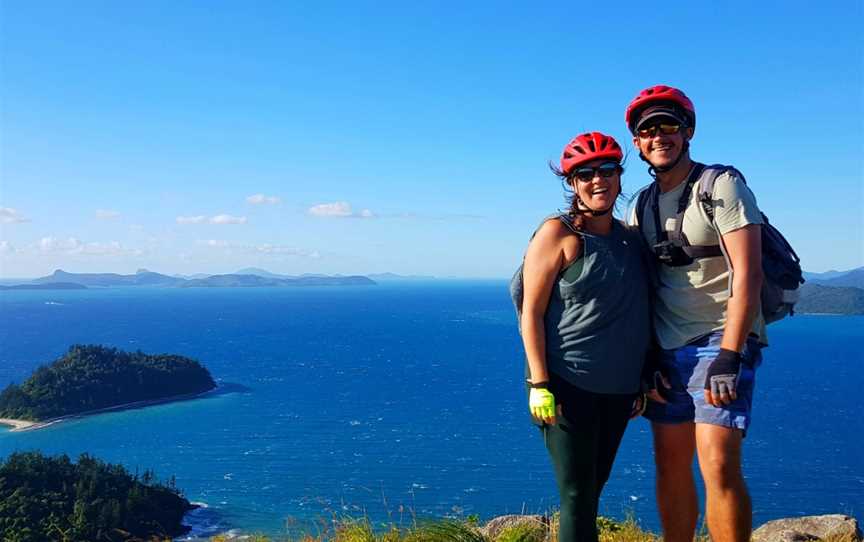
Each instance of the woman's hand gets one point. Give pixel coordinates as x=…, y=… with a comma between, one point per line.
x=541, y=402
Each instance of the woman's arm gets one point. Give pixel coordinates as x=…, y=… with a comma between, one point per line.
x=551, y=249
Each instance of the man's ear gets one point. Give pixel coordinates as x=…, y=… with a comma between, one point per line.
x=690, y=131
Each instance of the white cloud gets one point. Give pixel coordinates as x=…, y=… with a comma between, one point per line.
x=52, y=244
x=200, y=219
x=6, y=248
x=340, y=209
x=284, y=251
x=265, y=249
x=227, y=219
x=106, y=214
x=215, y=243
x=72, y=246
x=260, y=199
x=8, y=215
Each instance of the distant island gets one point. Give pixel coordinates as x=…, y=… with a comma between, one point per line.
x=819, y=299
x=853, y=278
x=46, y=286
x=90, y=378
x=52, y=498
x=245, y=281
x=246, y=278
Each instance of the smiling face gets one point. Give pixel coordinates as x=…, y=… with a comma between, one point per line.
x=660, y=149
x=599, y=193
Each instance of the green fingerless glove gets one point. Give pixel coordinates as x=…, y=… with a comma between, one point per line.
x=541, y=402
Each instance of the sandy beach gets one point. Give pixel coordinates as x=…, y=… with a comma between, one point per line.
x=17, y=425
x=24, y=425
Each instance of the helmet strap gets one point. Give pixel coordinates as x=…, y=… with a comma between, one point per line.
x=654, y=170
x=583, y=209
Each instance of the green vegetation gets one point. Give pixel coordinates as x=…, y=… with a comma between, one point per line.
x=92, y=377
x=818, y=299
x=51, y=498
x=353, y=530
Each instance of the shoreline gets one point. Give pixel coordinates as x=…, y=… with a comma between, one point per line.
x=17, y=425
x=28, y=425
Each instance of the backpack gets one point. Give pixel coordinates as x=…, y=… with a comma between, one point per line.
x=517, y=286
x=781, y=266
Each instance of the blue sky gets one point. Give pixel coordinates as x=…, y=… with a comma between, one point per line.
x=329, y=137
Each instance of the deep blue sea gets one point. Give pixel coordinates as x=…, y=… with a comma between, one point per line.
x=402, y=400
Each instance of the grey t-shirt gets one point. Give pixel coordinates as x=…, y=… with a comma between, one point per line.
x=691, y=299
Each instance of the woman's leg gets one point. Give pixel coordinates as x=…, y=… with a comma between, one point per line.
x=611, y=415
x=572, y=444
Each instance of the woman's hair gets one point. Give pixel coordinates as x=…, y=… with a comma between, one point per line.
x=572, y=198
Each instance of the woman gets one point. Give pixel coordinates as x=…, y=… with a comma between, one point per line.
x=584, y=320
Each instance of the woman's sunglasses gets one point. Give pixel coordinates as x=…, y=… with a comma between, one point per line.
x=665, y=129
x=586, y=174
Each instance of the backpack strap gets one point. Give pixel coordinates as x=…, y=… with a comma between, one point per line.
x=706, y=198
x=698, y=176
x=645, y=195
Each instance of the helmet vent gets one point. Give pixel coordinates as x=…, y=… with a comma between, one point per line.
x=591, y=146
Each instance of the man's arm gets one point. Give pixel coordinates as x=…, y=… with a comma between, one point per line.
x=744, y=249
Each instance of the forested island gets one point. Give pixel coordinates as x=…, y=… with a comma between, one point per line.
x=819, y=299
x=93, y=377
x=51, y=498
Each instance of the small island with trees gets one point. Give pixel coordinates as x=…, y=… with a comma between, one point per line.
x=93, y=378
x=52, y=498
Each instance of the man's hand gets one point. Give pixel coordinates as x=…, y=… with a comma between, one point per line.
x=541, y=402
x=640, y=403
x=653, y=379
x=721, y=379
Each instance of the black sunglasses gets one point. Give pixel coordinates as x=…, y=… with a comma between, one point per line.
x=586, y=174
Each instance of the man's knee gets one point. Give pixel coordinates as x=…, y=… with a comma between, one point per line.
x=719, y=456
x=673, y=449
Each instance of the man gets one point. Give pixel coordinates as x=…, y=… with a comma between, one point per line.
x=708, y=325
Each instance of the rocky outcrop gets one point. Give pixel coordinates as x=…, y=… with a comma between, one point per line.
x=498, y=525
x=809, y=528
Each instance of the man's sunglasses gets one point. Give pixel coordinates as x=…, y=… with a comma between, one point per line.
x=586, y=174
x=665, y=129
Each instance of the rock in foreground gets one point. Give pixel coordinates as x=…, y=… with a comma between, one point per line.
x=809, y=528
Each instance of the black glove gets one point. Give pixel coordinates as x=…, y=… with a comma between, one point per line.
x=722, y=374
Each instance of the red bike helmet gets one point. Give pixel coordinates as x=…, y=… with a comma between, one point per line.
x=659, y=94
x=587, y=147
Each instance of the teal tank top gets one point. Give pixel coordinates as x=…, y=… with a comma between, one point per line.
x=597, y=323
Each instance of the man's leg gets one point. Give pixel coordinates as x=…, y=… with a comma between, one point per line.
x=727, y=507
x=674, y=446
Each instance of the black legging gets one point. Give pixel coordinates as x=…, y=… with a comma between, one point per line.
x=583, y=445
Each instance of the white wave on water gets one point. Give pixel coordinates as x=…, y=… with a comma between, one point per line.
x=204, y=523
x=53, y=303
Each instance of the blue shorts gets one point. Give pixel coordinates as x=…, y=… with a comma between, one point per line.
x=685, y=368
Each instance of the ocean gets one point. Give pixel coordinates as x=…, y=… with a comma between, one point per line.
x=399, y=402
